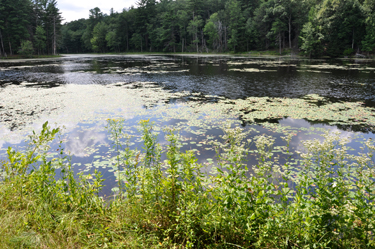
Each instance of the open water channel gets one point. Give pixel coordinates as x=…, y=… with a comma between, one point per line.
x=197, y=95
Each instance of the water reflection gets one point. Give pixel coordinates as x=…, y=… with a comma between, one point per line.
x=84, y=110
x=303, y=132
x=338, y=80
x=79, y=141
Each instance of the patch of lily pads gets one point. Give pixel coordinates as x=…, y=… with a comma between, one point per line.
x=326, y=66
x=252, y=109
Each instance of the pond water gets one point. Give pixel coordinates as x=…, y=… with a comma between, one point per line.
x=195, y=94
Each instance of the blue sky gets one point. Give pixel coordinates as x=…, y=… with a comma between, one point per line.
x=76, y=9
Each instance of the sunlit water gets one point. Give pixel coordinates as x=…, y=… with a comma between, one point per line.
x=80, y=92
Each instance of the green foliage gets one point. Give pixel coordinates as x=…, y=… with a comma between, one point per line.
x=348, y=51
x=318, y=28
x=72, y=37
x=369, y=42
x=40, y=39
x=193, y=28
x=137, y=41
x=37, y=209
x=98, y=41
x=211, y=29
x=325, y=201
x=26, y=20
x=311, y=40
x=112, y=41
x=26, y=49
x=234, y=9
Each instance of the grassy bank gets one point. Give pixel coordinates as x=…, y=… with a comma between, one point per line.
x=174, y=204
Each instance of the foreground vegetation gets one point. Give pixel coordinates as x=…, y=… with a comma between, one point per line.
x=327, y=201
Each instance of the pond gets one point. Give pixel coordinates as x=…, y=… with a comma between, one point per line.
x=198, y=95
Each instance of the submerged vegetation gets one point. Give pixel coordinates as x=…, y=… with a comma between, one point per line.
x=324, y=201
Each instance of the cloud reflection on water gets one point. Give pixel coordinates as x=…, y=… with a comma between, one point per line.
x=79, y=141
x=304, y=125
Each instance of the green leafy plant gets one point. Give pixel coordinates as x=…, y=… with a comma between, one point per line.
x=26, y=49
x=326, y=200
x=348, y=51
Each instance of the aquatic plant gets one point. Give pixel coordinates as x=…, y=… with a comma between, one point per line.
x=326, y=200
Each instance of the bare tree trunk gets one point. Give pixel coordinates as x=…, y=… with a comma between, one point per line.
x=297, y=32
x=203, y=45
x=182, y=44
x=54, y=35
x=196, y=35
x=47, y=41
x=146, y=40
x=2, y=44
x=127, y=41
x=290, y=31
x=353, y=39
x=10, y=45
x=10, y=48
x=279, y=42
x=225, y=38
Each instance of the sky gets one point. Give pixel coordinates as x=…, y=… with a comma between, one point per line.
x=75, y=9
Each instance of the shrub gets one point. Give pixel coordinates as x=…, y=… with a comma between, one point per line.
x=348, y=51
x=26, y=49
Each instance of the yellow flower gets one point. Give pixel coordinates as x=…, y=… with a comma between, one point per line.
x=144, y=121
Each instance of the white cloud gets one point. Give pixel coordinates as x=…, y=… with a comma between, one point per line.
x=74, y=10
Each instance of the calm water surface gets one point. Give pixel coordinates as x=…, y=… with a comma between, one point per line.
x=208, y=77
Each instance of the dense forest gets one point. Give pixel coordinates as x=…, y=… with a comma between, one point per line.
x=314, y=27
x=29, y=27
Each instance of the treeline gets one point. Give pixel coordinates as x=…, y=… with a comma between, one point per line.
x=29, y=26
x=316, y=27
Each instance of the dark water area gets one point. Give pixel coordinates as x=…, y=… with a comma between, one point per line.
x=340, y=80
x=206, y=78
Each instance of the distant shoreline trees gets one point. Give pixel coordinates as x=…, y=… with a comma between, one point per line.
x=315, y=27
x=29, y=25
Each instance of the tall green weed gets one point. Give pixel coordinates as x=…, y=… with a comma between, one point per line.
x=325, y=201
